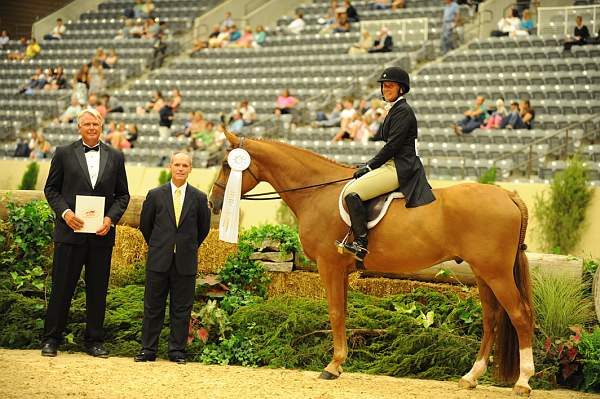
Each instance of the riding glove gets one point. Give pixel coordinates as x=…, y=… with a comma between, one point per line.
x=363, y=170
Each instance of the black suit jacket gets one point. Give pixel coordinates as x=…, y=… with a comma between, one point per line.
x=399, y=131
x=157, y=223
x=69, y=177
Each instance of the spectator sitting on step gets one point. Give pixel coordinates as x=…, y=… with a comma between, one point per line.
x=203, y=43
x=362, y=45
x=340, y=24
x=220, y=40
x=245, y=41
x=521, y=116
x=203, y=139
x=118, y=141
x=333, y=119
x=581, y=34
x=297, y=25
x=154, y=105
x=112, y=103
x=383, y=43
x=41, y=148
x=95, y=103
x=494, y=121
x=358, y=129
x=386, y=4
x=526, y=26
x=473, y=118
x=508, y=24
x=111, y=58
x=81, y=84
x=132, y=134
x=527, y=114
x=166, y=117
x=20, y=52
x=285, y=103
x=101, y=56
x=346, y=116
x=375, y=110
x=259, y=37
x=151, y=29
x=57, y=80
x=234, y=34
x=351, y=12
x=71, y=112
x=96, y=76
x=32, y=50
x=247, y=112
x=37, y=81
x=331, y=13
x=176, y=99
x=4, y=39
x=57, y=32
x=236, y=124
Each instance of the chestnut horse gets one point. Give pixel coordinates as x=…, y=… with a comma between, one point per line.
x=483, y=224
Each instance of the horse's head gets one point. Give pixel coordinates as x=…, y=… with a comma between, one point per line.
x=250, y=176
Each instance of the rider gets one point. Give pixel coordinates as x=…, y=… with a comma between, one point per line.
x=395, y=167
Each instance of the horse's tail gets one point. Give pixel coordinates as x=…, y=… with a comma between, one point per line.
x=507, y=343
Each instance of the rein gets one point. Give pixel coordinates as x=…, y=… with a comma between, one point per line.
x=257, y=197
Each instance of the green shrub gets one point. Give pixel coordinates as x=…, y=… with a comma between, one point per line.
x=489, y=177
x=559, y=303
x=164, y=177
x=589, y=348
x=26, y=247
x=561, y=216
x=30, y=177
x=22, y=320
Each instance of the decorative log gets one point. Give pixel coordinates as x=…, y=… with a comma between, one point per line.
x=131, y=217
x=596, y=292
x=277, y=266
x=565, y=266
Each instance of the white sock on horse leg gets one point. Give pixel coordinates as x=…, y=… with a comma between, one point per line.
x=476, y=371
x=527, y=369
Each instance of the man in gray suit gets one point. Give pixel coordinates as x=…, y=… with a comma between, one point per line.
x=175, y=219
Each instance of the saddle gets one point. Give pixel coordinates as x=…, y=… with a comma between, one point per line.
x=376, y=207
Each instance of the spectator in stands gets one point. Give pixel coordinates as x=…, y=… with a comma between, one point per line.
x=111, y=58
x=383, y=43
x=95, y=103
x=351, y=12
x=236, y=124
x=151, y=29
x=259, y=37
x=297, y=25
x=449, y=22
x=386, y=4
x=138, y=9
x=124, y=32
x=227, y=22
x=81, y=84
x=147, y=9
x=346, y=116
x=101, y=56
x=41, y=148
x=20, y=53
x=176, y=99
x=154, y=105
x=581, y=34
x=375, y=110
x=160, y=51
x=508, y=24
x=57, y=32
x=198, y=124
x=220, y=40
x=527, y=114
x=513, y=120
x=37, y=81
x=137, y=30
x=32, y=50
x=234, y=34
x=71, y=112
x=247, y=112
x=246, y=40
x=118, y=141
x=96, y=76
x=57, y=80
x=494, y=121
x=358, y=128
x=333, y=119
x=362, y=45
x=473, y=118
x=205, y=138
x=331, y=13
x=166, y=117
x=132, y=134
x=285, y=103
x=526, y=26
x=4, y=38
x=342, y=23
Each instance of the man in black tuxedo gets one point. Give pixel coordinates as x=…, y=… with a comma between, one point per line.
x=175, y=219
x=86, y=167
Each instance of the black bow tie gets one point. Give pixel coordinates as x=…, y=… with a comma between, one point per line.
x=87, y=149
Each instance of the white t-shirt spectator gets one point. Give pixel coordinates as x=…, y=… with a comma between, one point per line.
x=296, y=26
x=347, y=113
x=248, y=114
x=58, y=31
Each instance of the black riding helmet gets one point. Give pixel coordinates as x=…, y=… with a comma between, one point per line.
x=395, y=74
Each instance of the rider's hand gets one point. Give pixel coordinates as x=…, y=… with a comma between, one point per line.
x=363, y=170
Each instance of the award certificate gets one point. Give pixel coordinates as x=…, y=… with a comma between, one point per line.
x=90, y=209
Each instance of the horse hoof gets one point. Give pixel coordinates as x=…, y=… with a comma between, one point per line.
x=521, y=390
x=326, y=375
x=463, y=383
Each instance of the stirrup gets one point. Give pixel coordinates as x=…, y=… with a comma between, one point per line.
x=356, y=250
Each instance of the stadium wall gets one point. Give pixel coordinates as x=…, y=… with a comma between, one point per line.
x=141, y=179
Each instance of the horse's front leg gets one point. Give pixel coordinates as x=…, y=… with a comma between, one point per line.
x=335, y=278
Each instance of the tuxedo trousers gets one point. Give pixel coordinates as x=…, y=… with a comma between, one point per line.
x=67, y=263
x=180, y=289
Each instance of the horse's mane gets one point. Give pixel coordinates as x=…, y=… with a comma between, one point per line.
x=304, y=150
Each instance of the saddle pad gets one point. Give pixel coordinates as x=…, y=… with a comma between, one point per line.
x=374, y=218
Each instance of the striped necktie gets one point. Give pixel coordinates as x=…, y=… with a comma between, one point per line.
x=177, y=205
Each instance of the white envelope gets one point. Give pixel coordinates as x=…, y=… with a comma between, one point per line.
x=90, y=209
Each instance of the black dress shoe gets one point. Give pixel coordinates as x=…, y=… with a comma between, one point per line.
x=96, y=351
x=179, y=359
x=145, y=357
x=49, y=349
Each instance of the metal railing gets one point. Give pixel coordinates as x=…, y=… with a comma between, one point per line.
x=590, y=126
x=561, y=20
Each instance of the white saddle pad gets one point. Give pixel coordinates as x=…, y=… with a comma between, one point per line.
x=372, y=223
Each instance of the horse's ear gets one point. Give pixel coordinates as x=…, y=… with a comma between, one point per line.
x=233, y=139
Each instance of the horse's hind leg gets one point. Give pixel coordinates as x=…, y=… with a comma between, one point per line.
x=491, y=312
x=335, y=279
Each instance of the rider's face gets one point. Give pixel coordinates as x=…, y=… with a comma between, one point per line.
x=391, y=91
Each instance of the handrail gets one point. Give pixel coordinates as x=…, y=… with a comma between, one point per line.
x=529, y=146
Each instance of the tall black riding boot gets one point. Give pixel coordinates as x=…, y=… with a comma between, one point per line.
x=358, y=218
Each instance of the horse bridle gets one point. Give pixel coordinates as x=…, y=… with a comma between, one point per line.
x=258, y=196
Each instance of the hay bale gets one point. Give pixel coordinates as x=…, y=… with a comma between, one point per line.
x=213, y=253
x=297, y=283
x=128, y=257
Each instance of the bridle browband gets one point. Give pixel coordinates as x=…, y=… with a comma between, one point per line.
x=259, y=196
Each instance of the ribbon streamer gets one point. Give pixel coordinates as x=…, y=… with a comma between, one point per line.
x=238, y=160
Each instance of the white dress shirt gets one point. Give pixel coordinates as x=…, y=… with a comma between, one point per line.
x=92, y=159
